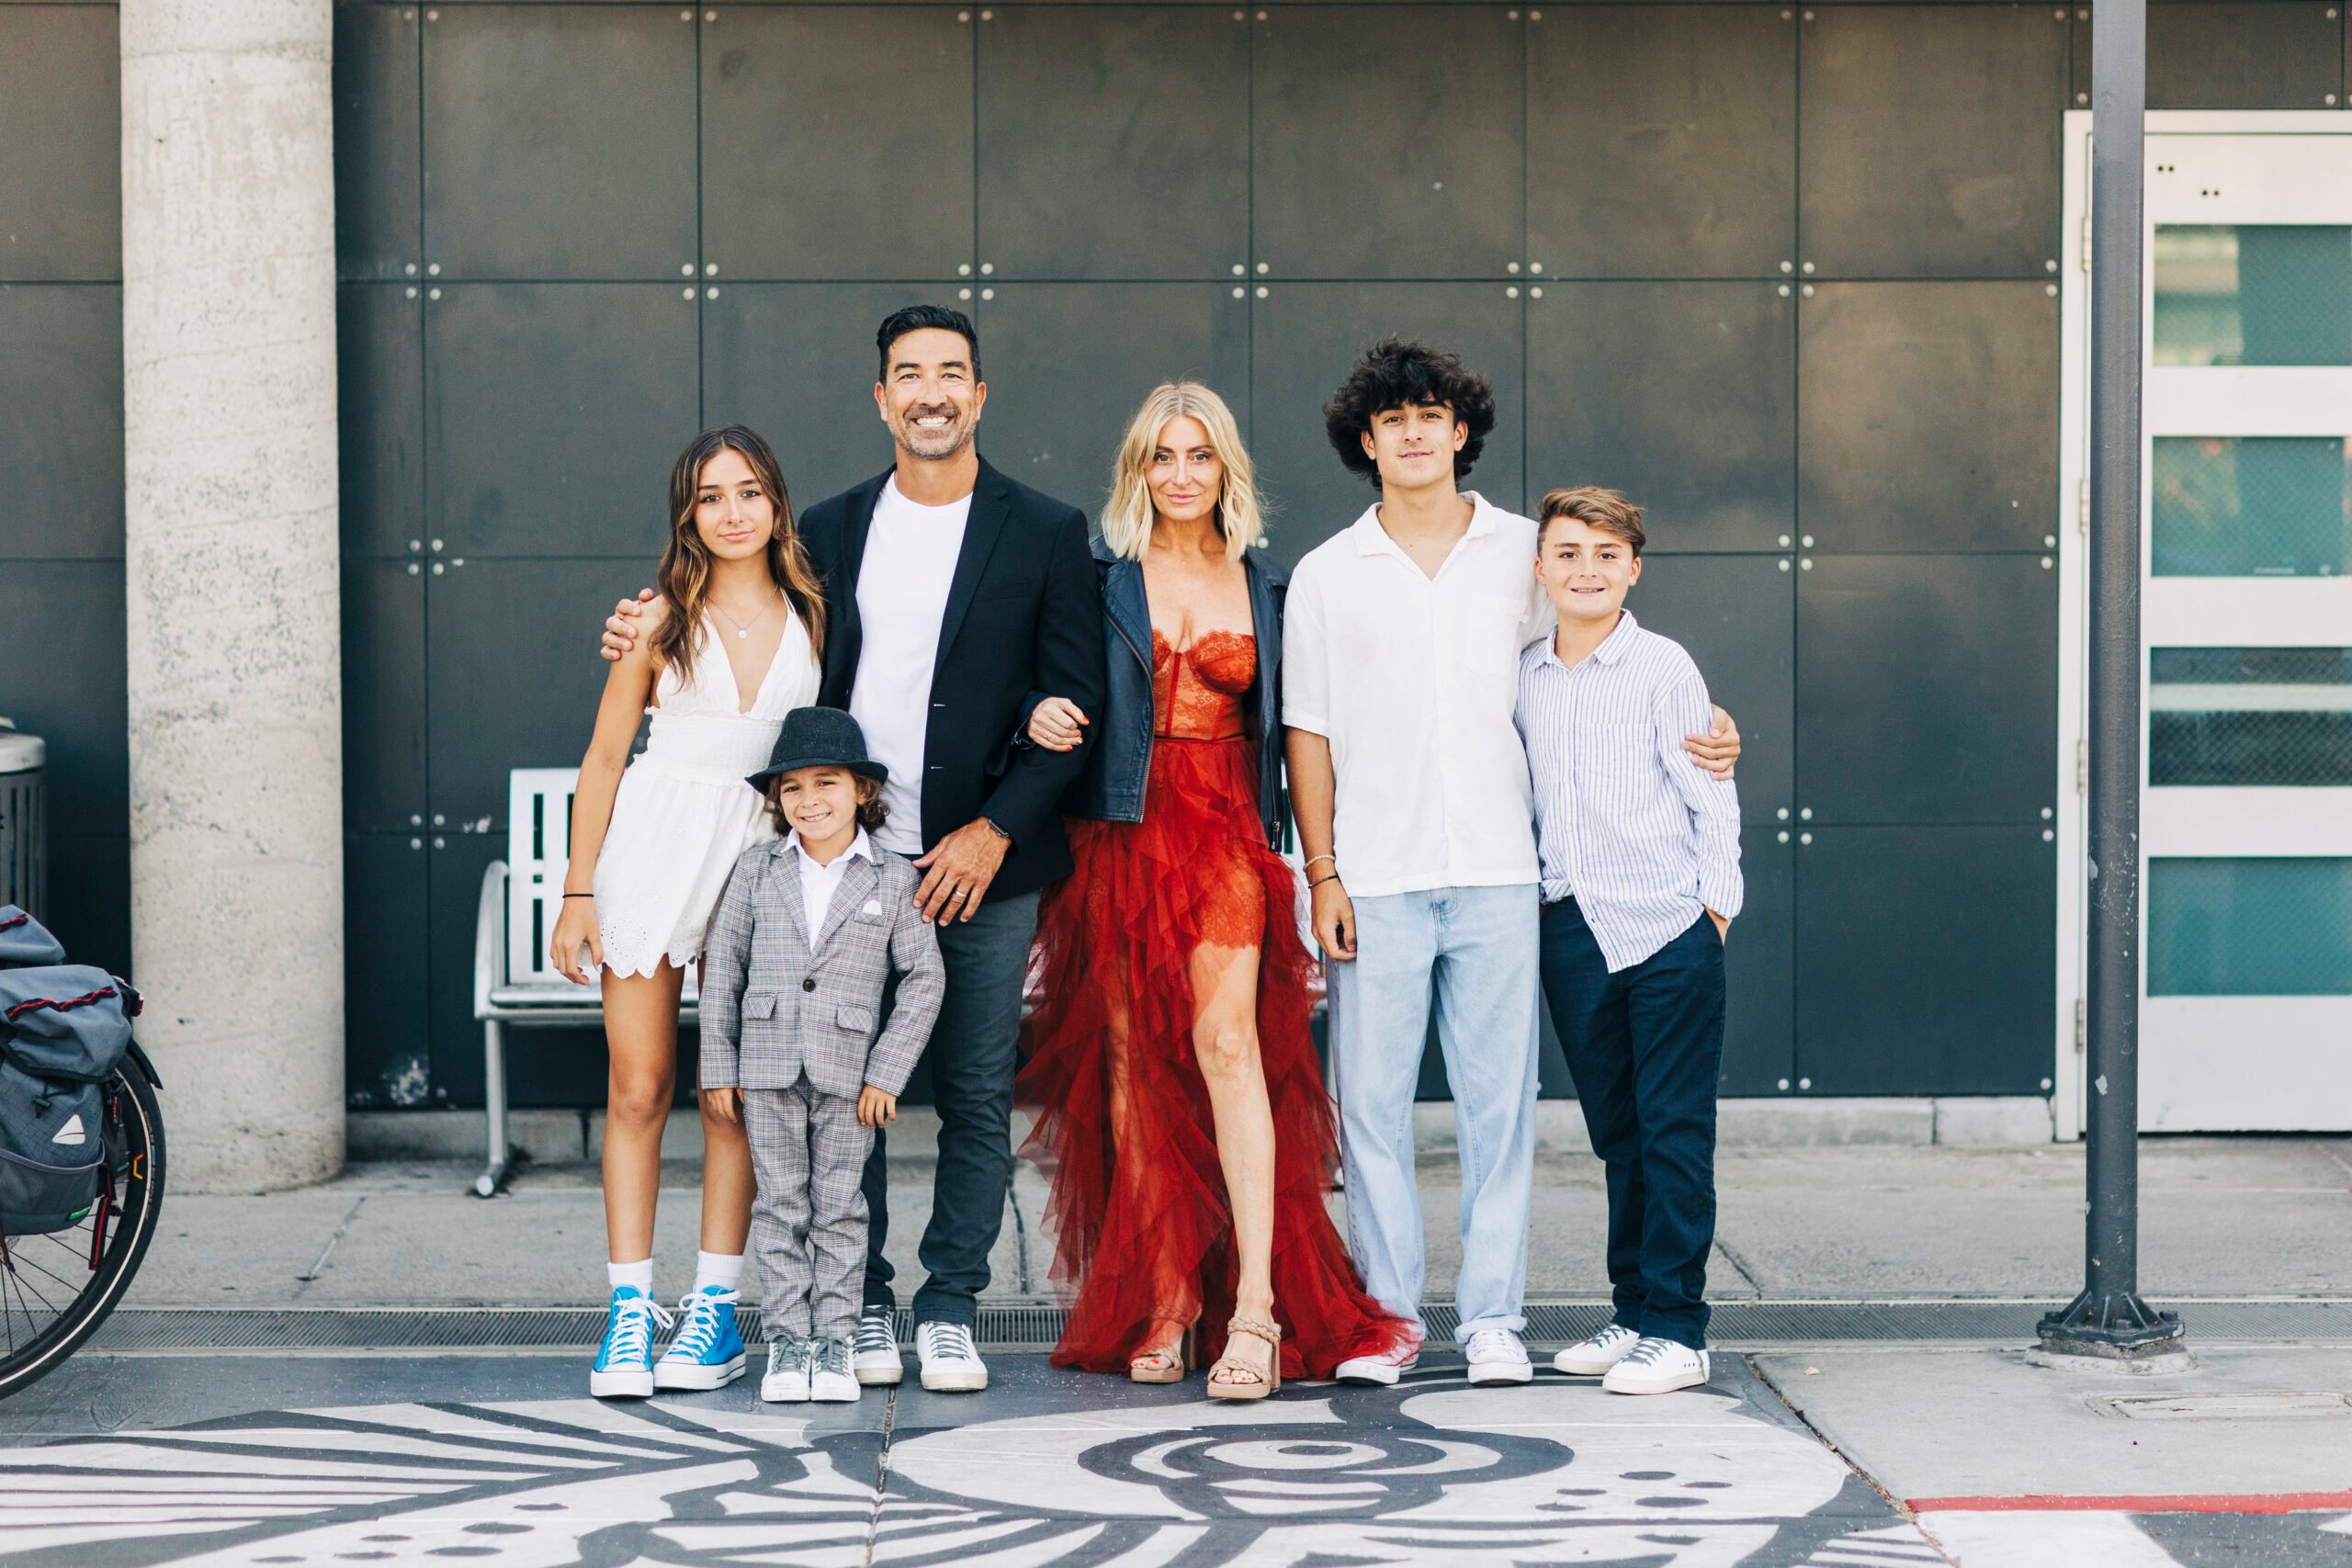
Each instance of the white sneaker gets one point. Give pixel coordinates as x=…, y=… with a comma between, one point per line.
x=1657, y=1366
x=1381, y=1371
x=874, y=1352
x=831, y=1382
x=787, y=1382
x=951, y=1363
x=1591, y=1358
x=1496, y=1356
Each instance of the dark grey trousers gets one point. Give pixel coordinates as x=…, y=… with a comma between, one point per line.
x=972, y=1056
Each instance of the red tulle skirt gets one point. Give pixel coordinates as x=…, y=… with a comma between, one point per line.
x=1156, y=913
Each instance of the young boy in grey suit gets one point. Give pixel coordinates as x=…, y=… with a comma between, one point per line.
x=795, y=1038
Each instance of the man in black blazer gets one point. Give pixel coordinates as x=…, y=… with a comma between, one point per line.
x=952, y=594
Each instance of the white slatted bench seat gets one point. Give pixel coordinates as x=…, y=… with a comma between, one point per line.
x=514, y=985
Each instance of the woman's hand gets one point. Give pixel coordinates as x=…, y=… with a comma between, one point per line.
x=876, y=1109
x=1718, y=750
x=1335, y=919
x=722, y=1104
x=575, y=929
x=1056, y=724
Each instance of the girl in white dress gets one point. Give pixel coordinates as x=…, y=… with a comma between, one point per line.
x=733, y=645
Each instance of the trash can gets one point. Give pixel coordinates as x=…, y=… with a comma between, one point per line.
x=24, y=823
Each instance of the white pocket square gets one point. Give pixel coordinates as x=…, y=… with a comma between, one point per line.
x=872, y=908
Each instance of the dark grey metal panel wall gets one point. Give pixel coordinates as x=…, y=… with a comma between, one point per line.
x=61, y=450
x=1783, y=274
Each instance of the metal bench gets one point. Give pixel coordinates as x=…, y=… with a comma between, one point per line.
x=514, y=985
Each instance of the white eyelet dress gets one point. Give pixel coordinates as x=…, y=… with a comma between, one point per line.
x=683, y=813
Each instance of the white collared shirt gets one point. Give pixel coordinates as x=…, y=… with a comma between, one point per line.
x=1630, y=825
x=1413, y=678
x=818, y=882
x=902, y=583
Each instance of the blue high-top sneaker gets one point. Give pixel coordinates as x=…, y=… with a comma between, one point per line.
x=708, y=1350
x=624, y=1367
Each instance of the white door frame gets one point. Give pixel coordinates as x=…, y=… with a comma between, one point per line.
x=2072, y=514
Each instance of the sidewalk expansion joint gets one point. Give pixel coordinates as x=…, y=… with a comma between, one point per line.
x=319, y=1264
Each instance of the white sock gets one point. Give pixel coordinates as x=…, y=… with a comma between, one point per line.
x=724, y=1270
x=638, y=1274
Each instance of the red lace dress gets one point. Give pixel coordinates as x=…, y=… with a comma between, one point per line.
x=1156, y=913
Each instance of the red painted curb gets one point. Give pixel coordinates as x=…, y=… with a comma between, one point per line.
x=2240, y=1503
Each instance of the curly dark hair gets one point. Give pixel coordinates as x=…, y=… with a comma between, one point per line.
x=1394, y=374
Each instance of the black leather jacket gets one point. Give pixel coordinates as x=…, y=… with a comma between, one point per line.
x=1118, y=764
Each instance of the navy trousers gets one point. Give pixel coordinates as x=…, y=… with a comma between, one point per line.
x=1646, y=1047
x=973, y=1052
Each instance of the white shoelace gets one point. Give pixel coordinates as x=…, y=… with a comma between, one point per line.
x=876, y=1333
x=700, y=1320
x=1495, y=1344
x=948, y=1342
x=634, y=1321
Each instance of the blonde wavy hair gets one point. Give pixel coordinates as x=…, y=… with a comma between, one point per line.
x=1127, y=515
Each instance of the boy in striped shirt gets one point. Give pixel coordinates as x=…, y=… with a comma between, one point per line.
x=1640, y=856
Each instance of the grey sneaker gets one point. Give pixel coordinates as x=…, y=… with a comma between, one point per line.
x=1658, y=1366
x=831, y=1381
x=1593, y=1358
x=787, y=1377
x=874, y=1352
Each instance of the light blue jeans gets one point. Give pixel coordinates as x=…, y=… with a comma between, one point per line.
x=1477, y=950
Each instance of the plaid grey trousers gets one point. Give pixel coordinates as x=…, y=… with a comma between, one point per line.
x=809, y=1218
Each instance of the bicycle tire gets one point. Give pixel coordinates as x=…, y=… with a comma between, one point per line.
x=137, y=1206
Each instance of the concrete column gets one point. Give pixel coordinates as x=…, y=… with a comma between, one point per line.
x=236, y=690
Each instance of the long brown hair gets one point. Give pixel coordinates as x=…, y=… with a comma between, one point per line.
x=685, y=563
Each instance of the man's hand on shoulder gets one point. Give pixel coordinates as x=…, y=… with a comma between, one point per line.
x=1717, y=752
x=626, y=620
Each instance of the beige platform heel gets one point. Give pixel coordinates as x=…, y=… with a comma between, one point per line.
x=1167, y=1364
x=1270, y=1375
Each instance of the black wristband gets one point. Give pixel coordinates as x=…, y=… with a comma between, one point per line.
x=1320, y=881
x=580, y=895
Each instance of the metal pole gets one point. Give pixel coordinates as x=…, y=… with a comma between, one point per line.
x=2108, y=1318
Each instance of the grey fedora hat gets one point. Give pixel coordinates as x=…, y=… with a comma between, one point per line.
x=819, y=738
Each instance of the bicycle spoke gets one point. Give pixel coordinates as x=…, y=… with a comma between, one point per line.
x=68, y=1286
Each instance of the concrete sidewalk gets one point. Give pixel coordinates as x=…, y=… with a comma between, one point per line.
x=1816, y=1446
x=2243, y=1217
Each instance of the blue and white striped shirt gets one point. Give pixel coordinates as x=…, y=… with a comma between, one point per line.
x=1625, y=822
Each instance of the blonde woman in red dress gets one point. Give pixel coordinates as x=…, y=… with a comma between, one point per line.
x=1183, y=1113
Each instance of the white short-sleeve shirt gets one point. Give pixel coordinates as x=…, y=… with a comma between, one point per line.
x=1413, y=680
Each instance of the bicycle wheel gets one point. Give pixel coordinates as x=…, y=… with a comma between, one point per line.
x=55, y=1289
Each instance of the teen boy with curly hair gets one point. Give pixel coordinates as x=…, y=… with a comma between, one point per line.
x=1400, y=663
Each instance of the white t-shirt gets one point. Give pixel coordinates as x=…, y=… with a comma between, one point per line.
x=818, y=882
x=1413, y=680
x=903, y=584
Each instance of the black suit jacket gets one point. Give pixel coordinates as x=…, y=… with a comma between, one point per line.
x=1024, y=614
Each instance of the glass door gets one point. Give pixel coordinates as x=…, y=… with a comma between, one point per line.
x=2247, y=816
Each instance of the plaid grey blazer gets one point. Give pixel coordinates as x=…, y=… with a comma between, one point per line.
x=771, y=1008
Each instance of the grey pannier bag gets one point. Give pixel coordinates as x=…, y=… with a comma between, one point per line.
x=63, y=1030
x=25, y=941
